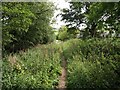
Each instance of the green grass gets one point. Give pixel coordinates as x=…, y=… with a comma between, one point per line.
x=39, y=68
x=92, y=63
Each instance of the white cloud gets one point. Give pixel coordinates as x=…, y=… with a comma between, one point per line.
x=60, y=4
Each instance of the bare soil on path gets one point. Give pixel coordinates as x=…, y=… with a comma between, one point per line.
x=62, y=78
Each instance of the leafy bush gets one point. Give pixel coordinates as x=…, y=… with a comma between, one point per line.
x=26, y=24
x=93, y=63
x=66, y=33
x=36, y=68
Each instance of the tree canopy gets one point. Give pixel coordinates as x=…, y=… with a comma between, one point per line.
x=96, y=15
x=26, y=24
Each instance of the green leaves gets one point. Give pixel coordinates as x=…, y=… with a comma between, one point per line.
x=96, y=15
x=26, y=24
x=92, y=64
x=66, y=33
x=40, y=68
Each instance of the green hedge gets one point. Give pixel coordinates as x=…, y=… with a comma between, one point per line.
x=93, y=63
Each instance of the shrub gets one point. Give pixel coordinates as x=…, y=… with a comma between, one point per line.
x=37, y=68
x=93, y=63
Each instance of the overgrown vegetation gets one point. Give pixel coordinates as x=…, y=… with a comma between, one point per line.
x=38, y=67
x=99, y=17
x=93, y=63
x=29, y=62
x=26, y=24
x=65, y=33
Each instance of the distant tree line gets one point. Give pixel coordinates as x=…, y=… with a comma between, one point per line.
x=65, y=33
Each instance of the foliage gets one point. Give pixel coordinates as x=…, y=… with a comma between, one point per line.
x=25, y=24
x=67, y=33
x=96, y=15
x=62, y=34
x=93, y=63
x=37, y=68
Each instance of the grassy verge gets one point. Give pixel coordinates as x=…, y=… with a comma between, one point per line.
x=93, y=63
x=38, y=67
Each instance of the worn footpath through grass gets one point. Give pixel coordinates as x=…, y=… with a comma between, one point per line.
x=71, y=64
x=38, y=67
x=62, y=78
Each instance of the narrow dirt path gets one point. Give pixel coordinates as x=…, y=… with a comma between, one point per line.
x=62, y=78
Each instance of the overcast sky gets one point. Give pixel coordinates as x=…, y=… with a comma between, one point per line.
x=60, y=5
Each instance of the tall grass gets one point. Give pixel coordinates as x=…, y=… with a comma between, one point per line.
x=93, y=63
x=38, y=67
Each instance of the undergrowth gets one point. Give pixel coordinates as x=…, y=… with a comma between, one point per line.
x=92, y=63
x=38, y=67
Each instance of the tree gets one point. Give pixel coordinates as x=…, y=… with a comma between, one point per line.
x=66, y=33
x=62, y=34
x=25, y=24
x=95, y=15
